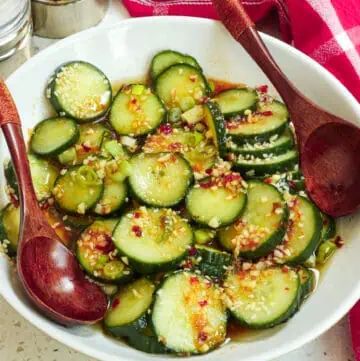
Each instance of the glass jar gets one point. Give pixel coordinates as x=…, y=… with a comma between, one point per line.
x=15, y=34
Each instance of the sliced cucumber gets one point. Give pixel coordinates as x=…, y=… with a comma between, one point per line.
x=277, y=144
x=78, y=190
x=97, y=254
x=196, y=149
x=153, y=239
x=269, y=119
x=115, y=188
x=9, y=228
x=166, y=58
x=307, y=282
x=145, y=340
x=270, y=165
x=216, y=203
x=160, y=179
x=261, y=227
x=80, y=90
x=43, y=174
x=127, y=312
x=215, y=123
x=235, y=101
x=136, y=111
x=204, y=235
x=210, y=261
x=181, y=86
x=54, y=135
x=263, y=299
x=190, y=304
x=328, y=230
x=303, y=232
x=88, y=144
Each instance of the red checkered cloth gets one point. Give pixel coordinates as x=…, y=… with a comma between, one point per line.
x=326, y=30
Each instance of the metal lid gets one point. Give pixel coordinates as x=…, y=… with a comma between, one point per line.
x=14, y=25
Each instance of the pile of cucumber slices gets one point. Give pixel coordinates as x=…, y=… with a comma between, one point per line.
x=182, y=197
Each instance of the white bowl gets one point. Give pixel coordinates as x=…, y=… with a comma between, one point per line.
x=123, y=51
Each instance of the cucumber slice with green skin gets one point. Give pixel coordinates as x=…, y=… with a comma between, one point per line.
x=78, y=190
x=127, y=312
x=196, y=149
x=307, y=282
x=190, y=304
x=303, y=234
x=53, y=136
x=145, y=340
x=136, y=111
x=215, y=123
x=210, y=261
x=263, y=299
x=328, y=230
x=277, y=144
x=153, y=239
x=166, y=58
x=96, y=253
x=260, y=166
x=235, y=101
x=261, y=227
x=115, y=187
x=79, y=90
x=204, y=235
x=9, y=228
x=215, y=203
x=160, y=179
x=43, y=175
x=181, y=86
x=76, y=222
x=269, y=119
x=88, y=144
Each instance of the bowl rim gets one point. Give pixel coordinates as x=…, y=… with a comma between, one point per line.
x=297, y=342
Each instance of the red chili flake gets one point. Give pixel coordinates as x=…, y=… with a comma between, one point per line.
x=192, y=251
x=187, y=264
x=86, y=147
x=339, y=242
x=230, y=157
x=203, y=336
x=174, y=147
x=285, y=269
x=137, y=230
x=115, y=303
x=106, y=246
x=133, y=100
x=325, y=221
x=241, y=274
x=231, y=125
x=203, y=303
x=268, y=180
x=262, y=88
x=194, y=280
x=206, y=185
x=231, y=177
x=252, y=244
x=165, y=128
x=137, y=214
x=208, y=171
x=267, y=113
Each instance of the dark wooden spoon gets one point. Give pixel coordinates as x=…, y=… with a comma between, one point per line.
x=329, y=146
x=48, y=271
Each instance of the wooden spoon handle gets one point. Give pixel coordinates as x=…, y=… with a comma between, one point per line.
x=11, y=126
x=241, y=27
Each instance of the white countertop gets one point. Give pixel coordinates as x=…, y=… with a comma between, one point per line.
x=20, y=341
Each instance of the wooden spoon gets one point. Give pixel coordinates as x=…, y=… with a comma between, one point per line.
x=329, y=146
x=48, y=271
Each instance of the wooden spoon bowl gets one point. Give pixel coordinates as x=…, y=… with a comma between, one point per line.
x=49, y=271
x=329, y=146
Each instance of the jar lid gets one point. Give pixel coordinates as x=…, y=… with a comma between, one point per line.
x=14, y=22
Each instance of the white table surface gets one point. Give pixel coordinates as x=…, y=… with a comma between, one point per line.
x=20, y=341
